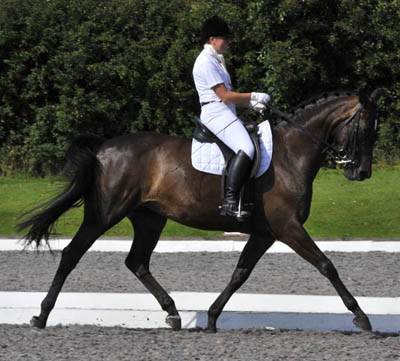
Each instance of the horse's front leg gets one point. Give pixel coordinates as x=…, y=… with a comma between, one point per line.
x=298, y=239
x=255, y=247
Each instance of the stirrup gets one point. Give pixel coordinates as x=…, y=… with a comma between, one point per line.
x=240, y=215
x=234, y=210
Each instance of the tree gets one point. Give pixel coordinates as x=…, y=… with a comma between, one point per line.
x=110, y=67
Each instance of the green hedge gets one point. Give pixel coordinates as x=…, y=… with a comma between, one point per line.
x=111, y=67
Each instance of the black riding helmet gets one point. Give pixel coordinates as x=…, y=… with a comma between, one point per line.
x=215, y=26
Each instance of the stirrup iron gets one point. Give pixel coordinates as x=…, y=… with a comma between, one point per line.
x=241, y=214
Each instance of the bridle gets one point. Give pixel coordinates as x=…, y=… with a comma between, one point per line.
x=344, y=155
x=349, y=149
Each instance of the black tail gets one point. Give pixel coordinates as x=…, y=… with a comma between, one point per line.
x=82, y=167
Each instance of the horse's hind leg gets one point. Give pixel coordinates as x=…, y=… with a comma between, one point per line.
x=299, y=240
x=148, y=227
x=86, y=236
x=255, y=247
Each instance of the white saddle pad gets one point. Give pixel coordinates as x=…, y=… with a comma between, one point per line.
x=207, y=157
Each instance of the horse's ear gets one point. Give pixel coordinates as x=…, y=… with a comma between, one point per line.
x=376, y=95
x=363, y=96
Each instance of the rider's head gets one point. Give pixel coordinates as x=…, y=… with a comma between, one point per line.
x=215, y=27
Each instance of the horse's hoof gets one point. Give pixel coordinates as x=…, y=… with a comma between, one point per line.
x=36, y=323
x=174, y=322
x=209, y=329
x=196, y=329
x=363, y=323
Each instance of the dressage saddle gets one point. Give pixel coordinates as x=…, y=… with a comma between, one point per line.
x=203, y=135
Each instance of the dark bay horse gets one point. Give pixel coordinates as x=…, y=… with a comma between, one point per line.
x=148, y=177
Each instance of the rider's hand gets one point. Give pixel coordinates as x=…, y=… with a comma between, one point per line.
x=258, y=107
x=262, y=98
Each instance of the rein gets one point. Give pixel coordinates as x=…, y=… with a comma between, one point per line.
x=342, y=155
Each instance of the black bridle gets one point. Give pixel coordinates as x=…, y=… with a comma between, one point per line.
x=344, y=155
x=349, y=150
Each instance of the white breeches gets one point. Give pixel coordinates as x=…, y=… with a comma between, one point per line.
x=233, y=134
x=228, y=128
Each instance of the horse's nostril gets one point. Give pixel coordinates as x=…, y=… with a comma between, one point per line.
x=365, y=174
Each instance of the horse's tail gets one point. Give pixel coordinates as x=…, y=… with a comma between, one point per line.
x=82, y=167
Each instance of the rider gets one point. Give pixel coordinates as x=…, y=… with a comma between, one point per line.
x=218, y=112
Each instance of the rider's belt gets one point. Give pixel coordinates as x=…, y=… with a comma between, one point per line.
x=212, y=101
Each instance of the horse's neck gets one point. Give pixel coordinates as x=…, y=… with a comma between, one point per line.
x=321, y=122
x=305, y=154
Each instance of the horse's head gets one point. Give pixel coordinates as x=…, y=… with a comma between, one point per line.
x=355, y=138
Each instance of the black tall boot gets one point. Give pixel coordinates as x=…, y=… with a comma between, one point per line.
x=238, y=173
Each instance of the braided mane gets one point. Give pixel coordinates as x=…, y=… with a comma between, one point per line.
x=296, y=113
x=317, y=101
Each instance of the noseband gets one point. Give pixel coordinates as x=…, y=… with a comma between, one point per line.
x=347, y=154
x=344, y=155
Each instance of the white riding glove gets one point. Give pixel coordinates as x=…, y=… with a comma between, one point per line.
x=262, y=98
x=258, y=107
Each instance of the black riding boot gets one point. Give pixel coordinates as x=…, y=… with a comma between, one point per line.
x=238, y=173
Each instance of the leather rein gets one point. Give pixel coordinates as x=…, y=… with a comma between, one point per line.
x=344, y=155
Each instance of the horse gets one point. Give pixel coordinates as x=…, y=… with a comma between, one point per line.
x=148, y=178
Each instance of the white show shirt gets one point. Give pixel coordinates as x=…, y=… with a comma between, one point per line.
x=208, y=72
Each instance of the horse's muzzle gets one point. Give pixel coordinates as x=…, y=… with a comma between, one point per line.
x=357, y=173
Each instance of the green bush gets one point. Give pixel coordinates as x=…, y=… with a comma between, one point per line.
x=117, y=66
